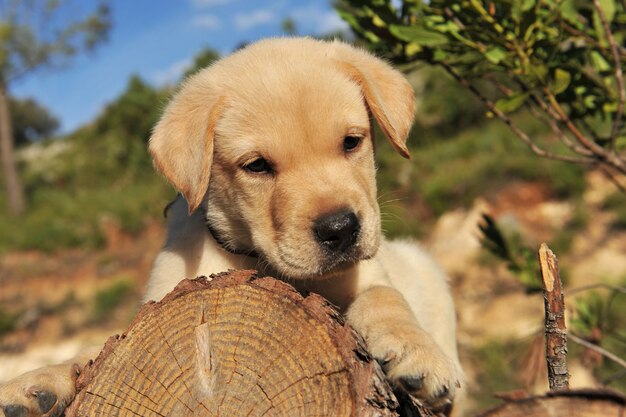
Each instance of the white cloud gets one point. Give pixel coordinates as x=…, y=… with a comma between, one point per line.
x=252, y=19
x=331, y=22
x=207, y=21
x=320, y=21
x=199, y=4
x=173, y=73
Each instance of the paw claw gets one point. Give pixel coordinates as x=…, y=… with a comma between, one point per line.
x=385, y=362
x=412, y=383
x=13, y=410
x=443, y=391
x=76, y=370
x=45, y=400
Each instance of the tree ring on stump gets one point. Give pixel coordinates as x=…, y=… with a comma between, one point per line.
x=235, y=345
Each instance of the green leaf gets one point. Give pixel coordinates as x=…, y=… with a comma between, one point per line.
x=570, y=14
x=447, y=27
x=419, y=35
x=610, y=107
x=590, y=102
x=413, y=48
x=527, y=5
x=378, y=22
x=495, y=54
x=599, y=63
x=562, y=79
x=537, y=71
x=371, y=36
x=349, y=18
x=608, y=9
x=511, y=103
x=439, y=55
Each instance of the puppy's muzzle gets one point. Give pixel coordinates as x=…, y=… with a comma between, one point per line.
x=337, y=232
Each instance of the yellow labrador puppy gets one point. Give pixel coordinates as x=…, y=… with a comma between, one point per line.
x=272, y=151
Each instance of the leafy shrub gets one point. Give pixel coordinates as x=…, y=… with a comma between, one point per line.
x=109, y=298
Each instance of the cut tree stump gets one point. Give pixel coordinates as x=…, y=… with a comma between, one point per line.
x=237, y=345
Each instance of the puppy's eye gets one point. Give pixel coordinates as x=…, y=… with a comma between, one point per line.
x=258, y=166
x=350, y=143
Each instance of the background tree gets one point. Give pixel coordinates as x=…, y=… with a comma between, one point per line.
x=202, y=59
x=36, y=34
x=288, y=27
x=559, y=59
x=31, y=121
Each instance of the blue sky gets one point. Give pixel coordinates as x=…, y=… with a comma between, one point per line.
x=157, y=39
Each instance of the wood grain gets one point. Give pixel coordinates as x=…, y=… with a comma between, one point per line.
x=235, y=345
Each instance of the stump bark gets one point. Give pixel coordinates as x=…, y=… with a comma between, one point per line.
x=236, y=345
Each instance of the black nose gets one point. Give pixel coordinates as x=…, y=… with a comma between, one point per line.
x=337, y=231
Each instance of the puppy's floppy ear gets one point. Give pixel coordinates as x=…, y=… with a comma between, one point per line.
x=181, y=144
x=387, y=93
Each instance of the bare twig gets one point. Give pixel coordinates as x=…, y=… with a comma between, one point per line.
x=554, y=126
x=588, y=39
x=600, y=154
x=516, y=130
x=595, y=286
x=589, y=129
x=613, y=178
x=619, y=78
x=556, y=334
x=617, y=375
x=551, y=121
x=621, y=362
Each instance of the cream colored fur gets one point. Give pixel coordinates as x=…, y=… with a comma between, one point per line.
x=292, y=102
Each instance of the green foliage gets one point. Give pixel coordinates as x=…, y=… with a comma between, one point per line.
x=589, y=314
x=598, y=318
x=37, y=33
x=109, y=298
x=498, y=365
x=479, y=161
x=552, y=57
x=562, y=240
x=519, y=256
x=443, y=106
x=113, y=149
x=134, y=113
x=617, y=204
x=535, y=44
x=203, y=59
x=61, y=218
x=450, y=172
x=288, y=27
x=8, y=321
x=31, y=122
x=101, y=170
x=520, y=259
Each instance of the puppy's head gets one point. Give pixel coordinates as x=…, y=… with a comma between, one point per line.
x=275, y=143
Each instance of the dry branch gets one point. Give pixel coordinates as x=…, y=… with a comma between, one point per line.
x=556, y=334
x=575, y=403
x=237, y=345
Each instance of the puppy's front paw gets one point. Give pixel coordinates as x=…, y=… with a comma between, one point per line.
x=417, y=366
x=44, y=392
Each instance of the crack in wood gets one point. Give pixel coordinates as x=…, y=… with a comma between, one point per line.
x=179, y=367
x=124, y=398
x=264, y=351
